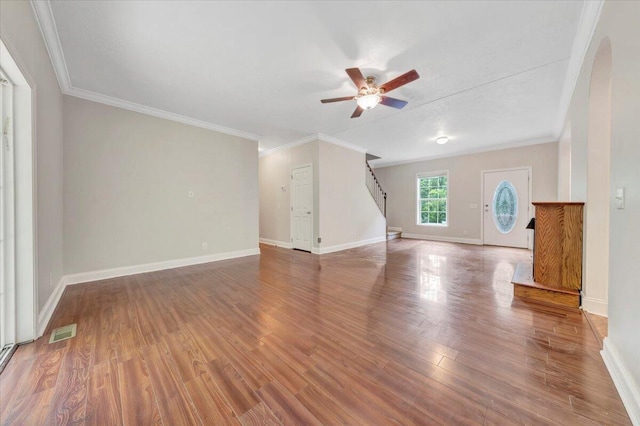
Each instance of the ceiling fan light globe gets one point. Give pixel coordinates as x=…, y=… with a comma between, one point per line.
x=368, y=101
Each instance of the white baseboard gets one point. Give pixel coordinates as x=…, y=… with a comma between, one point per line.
x=628, y=389
x=104, y=274
x=394, y=228
x=339, y=247
x=443, y=239
x=47, y=310
x=595, y=306
x=276, y=243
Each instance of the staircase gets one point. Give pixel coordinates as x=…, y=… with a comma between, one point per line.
x=380, y=197
x=378, y=194
x=392, y=235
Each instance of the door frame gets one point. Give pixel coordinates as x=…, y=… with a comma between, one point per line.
x=25, y=202
x=530, y=207
x=300, y=166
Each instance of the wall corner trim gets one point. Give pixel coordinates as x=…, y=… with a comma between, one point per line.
x=628, y=389
x=104, y=274
x=47, y=24
x=49, y=307
x=154, y=112
x=314, y=137
x=346, y=246
x=509, y=145
x=276, y=243
x=595, y=306
x=330, y=139
x=442, y=239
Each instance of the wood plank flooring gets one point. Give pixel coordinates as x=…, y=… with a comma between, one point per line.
x=403, y=332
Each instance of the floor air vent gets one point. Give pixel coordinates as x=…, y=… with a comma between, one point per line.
x=5, y=354
x=63, y=333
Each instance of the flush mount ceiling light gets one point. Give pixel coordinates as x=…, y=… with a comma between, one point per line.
x=442, y=140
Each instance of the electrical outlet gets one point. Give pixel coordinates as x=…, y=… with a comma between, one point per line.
x=205, y=246
x=465, y=232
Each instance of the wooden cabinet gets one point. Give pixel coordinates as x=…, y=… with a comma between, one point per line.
x=557, y=255
x=556, y=274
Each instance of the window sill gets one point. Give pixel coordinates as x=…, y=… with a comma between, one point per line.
x=438, y=225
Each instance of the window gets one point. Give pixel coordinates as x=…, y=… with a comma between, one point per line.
x=433, y=193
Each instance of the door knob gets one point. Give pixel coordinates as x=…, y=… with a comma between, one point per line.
x=308, y=212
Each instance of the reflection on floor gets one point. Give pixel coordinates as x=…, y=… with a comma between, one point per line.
x=400, y=332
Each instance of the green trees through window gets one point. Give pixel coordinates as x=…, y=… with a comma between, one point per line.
x=432, y=200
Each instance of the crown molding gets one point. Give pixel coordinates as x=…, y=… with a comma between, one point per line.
x=340, y=142
x=589, y=17
x=297, y=142
x=314, y=137
x=143, y=109
x=376, y=164
x=46, y=22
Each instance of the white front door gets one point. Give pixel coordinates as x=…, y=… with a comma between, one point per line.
x=301, y=207
x=506, y=207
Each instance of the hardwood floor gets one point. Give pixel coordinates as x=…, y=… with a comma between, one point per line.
x=402, y=332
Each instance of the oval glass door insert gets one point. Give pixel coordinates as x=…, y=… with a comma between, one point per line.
x=505, y=207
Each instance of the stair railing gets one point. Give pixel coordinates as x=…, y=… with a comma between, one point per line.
x=378, y=194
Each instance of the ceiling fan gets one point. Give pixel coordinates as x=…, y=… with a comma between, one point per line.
x=370, y=94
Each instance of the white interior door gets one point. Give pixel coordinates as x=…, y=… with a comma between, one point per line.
x=301, y=207
x=506, y=207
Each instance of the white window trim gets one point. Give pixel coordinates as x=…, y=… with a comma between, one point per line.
x=417, y=195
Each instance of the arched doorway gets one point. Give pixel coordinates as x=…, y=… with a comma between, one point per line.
x=596, y=277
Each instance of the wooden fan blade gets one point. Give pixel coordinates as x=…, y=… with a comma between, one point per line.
x=346, y=98
x=357, y=77
x=400, y=81
x=357, y=113
x=393, y=102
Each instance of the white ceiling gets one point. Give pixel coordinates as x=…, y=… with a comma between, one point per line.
x=492, y=73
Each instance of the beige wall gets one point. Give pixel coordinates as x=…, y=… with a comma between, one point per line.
x=275, y=195
x=348, y=212
x=127, y=178
x=465, y=182
x=619, y=22
x=344, y=212
x=20, y=32
x=564, y=164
